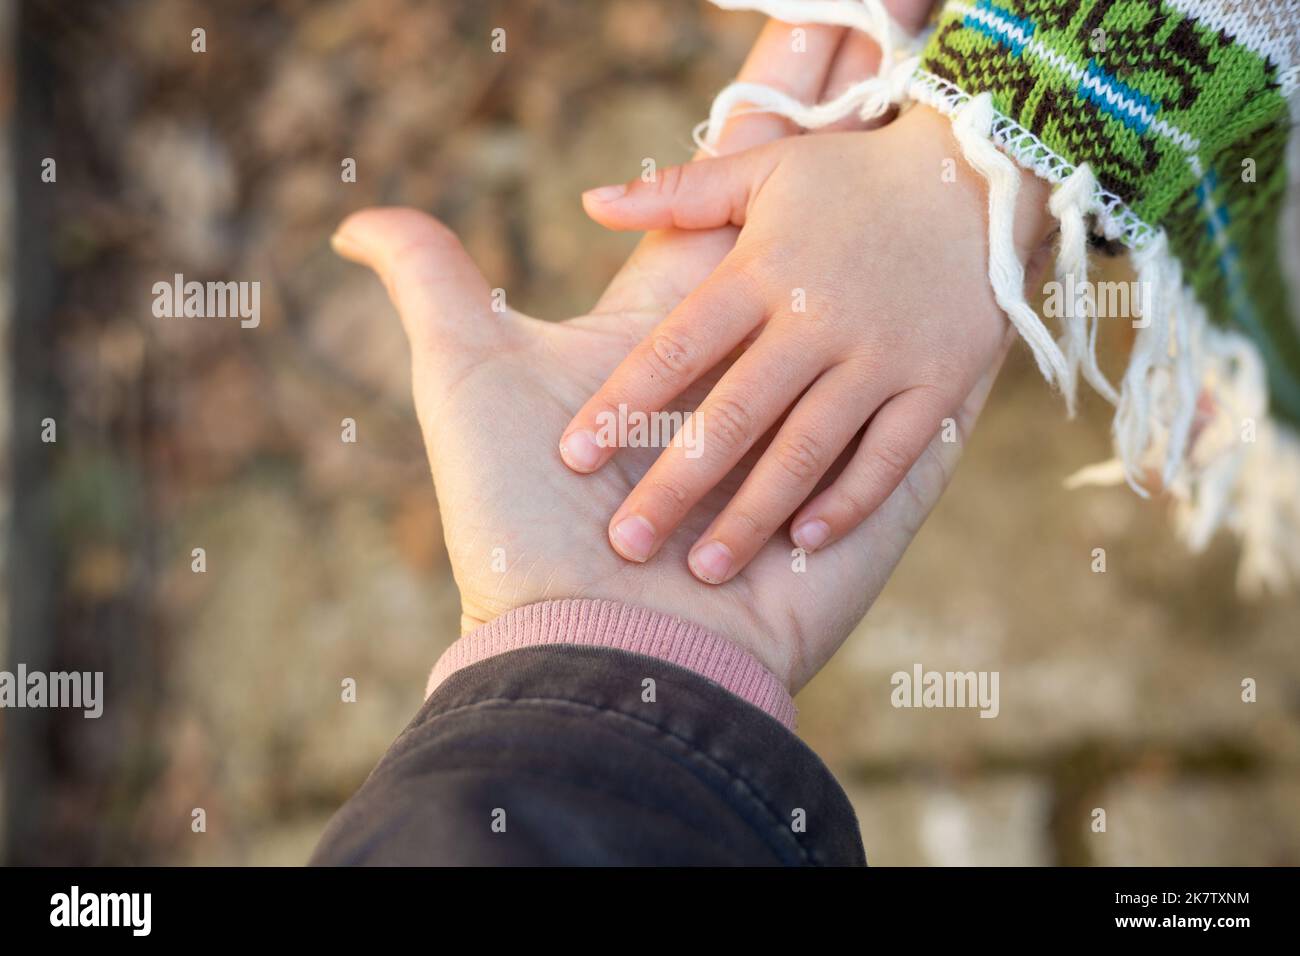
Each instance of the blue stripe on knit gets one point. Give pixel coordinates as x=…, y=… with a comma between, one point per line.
x=1002, y=29
x=1130, y=115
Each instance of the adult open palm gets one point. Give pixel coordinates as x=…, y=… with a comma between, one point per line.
x=494, y=390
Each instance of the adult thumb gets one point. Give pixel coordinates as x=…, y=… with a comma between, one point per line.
x=446, y=306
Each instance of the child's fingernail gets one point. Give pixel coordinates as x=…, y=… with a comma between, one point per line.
x=607, y=193
x=712, y=562
x=634, y=538
x=811, y=535
x=580, y=450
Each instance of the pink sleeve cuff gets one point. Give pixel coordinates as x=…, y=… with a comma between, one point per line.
x=593, y=623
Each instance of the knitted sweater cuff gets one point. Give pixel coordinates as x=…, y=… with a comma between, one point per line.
x=592, y=623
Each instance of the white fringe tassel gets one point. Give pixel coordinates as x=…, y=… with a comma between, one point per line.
x=870, y=98
x=972, y=127
x=1072, y=203
x=1239, y=469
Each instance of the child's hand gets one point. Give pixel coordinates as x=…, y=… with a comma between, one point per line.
x=859, y=283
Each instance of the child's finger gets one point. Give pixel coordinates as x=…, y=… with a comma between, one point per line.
x=894, y=440
x=704, y=194
x=697, y=335
x=805, y=447
x=778, y=60
x=740, y=409
x=793, y=62
x=857, y=59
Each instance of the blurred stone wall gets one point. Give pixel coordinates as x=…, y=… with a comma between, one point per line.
x=1119, y=691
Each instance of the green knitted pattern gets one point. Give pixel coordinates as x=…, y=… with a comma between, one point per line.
x=1172, y=117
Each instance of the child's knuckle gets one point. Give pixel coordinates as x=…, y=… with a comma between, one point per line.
x=671, y=356
x=802, y=458
x=671, y=180
x=669, y=495
x=892, y=457
x=745, y=524
x=854, y=502
x=729, y=422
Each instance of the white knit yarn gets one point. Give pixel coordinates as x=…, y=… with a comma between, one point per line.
x=1159, y=276
x=1072, y=202
x=1187, y=383
x=1006, y=271
x=868, y=99
x=868, y=16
